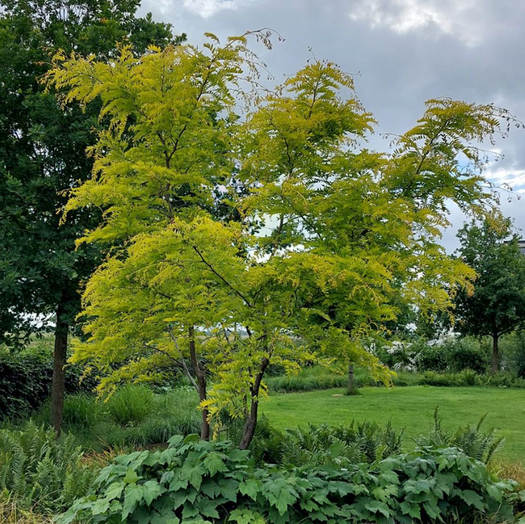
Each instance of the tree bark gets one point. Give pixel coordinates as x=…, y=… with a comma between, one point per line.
x=251, y=421
x=58, y=385
x=495, y=353
x=351, y=377
x=201, y=383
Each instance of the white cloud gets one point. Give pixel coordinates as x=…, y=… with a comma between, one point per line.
x=512, y=178
x=403, y=16
x=207, y=8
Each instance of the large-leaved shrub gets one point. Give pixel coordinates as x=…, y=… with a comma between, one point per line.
x=201, y=482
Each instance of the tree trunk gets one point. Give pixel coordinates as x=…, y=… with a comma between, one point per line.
x=251, y=421
x=351, y=377
x=495, y=354
x=58, y=385
x=201, y=383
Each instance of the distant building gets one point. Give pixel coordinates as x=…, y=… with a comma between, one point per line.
x=521, y=245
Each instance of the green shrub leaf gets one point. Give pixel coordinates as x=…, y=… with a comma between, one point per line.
x=250, y=487
x=472, y=499
x=131, y=477
x=214, y=463
x=133, y=494
x=378, y=507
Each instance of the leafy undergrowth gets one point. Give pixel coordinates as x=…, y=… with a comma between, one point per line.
x=41, y=472
x=133, y=417
x=346, y=473
x=195, y=481
x=319, y=445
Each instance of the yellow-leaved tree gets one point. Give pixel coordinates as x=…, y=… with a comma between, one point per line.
x=251, y=227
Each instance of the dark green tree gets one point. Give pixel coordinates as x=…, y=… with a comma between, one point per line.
x=497, y=305
x=42, y=156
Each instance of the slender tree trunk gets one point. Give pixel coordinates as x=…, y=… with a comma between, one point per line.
x=495, y=353
x=201, y=383
x=251, y=421
x=350, y=378
x=58, y=385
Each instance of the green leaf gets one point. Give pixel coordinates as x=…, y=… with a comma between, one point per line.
x=189, y=511
x=250, y=487
x=210, y=488
x=114, y=490
x=214, y=463
x=472, y=498
x=376, y=506
x=164, y=519
x=280, y=494
x=189, y=439
x=178, y=483
x=385, y=493
x=68, y=517
x=132, y=496
x=446, y=481
x=342, y=488
x=100, y=506
x=414, y=510
x=417, y=486
x=229, y=488
x=309, y=505
x=432, y=510
x=193, y=473
x=390, y=477
x=131, y=477
x=495, y=492
x=246, y=516
x=175, y=441
x=208, y=508
x=151, y=490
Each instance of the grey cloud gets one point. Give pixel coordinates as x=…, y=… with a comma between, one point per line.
x=476, y=54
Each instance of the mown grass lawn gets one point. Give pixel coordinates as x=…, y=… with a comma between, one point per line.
x=410, y=408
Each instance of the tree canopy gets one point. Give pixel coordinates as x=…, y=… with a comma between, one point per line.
x=497, y=304
x=260, y=233
x=42, y=155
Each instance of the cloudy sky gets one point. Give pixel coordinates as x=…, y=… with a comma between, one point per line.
x=402, y=53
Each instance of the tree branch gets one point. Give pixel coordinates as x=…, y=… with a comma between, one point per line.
x=216, y=273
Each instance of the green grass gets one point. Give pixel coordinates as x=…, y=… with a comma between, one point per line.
x=133, y=417
x=130, y=404
x=410, y=408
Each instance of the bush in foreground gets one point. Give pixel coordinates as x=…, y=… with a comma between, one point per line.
x=202, y=482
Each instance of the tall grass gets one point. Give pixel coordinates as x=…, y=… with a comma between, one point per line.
x=131, y=404
x=133, y=417
x=172, y=413
x=12, y=513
